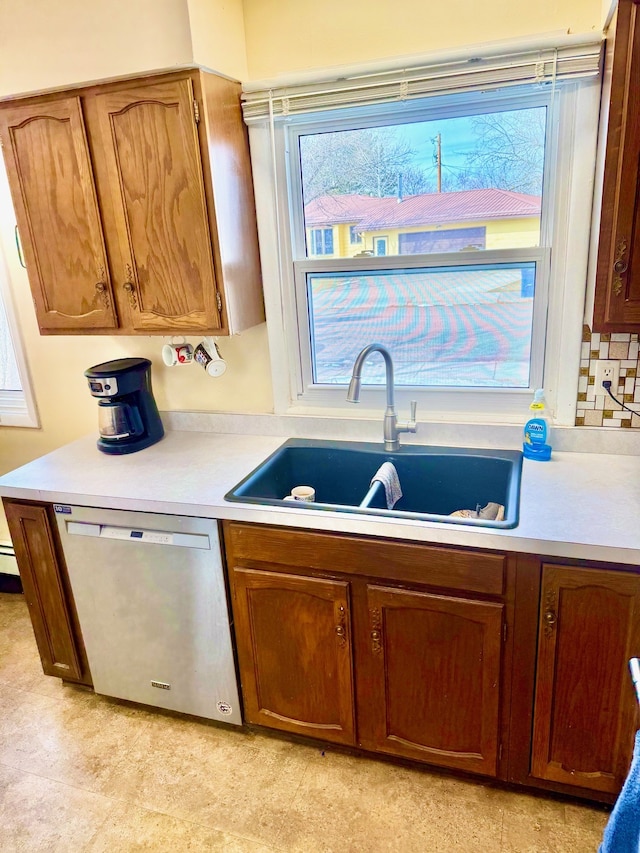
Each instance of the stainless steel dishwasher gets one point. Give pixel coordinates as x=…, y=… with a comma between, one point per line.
x=151, y=600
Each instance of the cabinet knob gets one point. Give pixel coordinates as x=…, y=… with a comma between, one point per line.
x=340, y=630
x=101, y=288
x=375, y=635
x=130, y=289
x=550, y=618
x=620, y=265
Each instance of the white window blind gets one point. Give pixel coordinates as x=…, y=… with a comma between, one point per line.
x=17, y=404
x=467, y=74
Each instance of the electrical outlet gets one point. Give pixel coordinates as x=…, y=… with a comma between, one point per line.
x=607, y=370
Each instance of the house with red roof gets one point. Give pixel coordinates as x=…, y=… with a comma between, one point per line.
x=343, y=226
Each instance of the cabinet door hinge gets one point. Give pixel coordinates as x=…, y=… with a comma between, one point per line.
x=500, y=752
x=504, y=633
x=196, y=111
x=219, y=301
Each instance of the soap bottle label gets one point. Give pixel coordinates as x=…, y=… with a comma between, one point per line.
x=536, y=437
x=535, y=431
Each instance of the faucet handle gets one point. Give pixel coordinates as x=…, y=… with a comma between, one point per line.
x=414, y=409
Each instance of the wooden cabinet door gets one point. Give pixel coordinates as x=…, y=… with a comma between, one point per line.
x=617, y=303
x=295, y=654
x=156, y=210
x=435, y=690
x=47, y=158
x=47, y=591
x=585, y=707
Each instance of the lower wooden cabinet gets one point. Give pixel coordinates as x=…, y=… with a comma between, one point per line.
x=47, y=590
x=505, y=666
x=294, y=644
x=585, y=707
x=436, y=677
x=426, y=669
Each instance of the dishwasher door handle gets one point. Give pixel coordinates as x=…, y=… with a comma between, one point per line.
x=82, y=528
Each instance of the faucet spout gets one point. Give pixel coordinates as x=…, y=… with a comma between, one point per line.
x=391, y=425
x=353, y=394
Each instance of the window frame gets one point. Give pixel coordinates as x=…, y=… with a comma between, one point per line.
x=381, y=262
x=17, y=408
x=572, y=129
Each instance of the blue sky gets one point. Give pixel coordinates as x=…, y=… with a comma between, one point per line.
x=458, y=139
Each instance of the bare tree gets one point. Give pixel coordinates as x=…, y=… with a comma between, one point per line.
x=362, y=162
x=509, y=152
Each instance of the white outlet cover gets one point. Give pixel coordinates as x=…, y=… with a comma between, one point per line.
x=607, y=370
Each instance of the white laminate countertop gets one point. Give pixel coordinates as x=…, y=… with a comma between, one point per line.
x=582, y=505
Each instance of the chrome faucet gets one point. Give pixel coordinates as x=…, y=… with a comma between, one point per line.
x=391, y=425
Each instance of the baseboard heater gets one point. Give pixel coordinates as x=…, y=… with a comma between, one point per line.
x=9, y=576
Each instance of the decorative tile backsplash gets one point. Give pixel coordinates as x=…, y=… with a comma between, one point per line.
x=595, y=406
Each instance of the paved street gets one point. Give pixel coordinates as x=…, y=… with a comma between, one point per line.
x=442, y=328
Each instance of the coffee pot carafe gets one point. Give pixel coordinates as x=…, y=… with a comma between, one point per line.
x=128, y=418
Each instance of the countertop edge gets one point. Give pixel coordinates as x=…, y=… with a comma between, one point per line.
x=426, y=533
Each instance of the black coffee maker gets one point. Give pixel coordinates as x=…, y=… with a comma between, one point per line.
x=128, y=418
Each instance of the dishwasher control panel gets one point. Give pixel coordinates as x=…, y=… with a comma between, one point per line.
x=130, y=534
x=158, y=537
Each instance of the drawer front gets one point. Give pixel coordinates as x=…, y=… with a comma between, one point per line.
x=450, y=568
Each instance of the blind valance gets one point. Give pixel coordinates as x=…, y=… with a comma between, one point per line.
x=468, y=74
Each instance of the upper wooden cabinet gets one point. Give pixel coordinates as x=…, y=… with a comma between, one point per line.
x=47, y=156
x=617, y=296
x=135, y=207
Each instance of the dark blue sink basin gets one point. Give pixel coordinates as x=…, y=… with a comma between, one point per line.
x=435, y=481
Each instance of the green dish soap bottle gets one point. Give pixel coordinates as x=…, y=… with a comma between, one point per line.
x=537, y=431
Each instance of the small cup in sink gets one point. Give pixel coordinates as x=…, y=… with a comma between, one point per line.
x=302, y=493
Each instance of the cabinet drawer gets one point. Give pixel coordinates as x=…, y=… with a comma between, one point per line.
x=450, y=568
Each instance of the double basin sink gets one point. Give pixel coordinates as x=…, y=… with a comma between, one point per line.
x=435, y=481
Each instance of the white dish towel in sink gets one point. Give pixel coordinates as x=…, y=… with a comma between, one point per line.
x=388, y=476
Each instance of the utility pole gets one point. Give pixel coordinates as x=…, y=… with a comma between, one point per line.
x=438, y=141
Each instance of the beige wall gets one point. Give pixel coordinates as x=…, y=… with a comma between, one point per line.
x=49, y=43
x=293, y=35
x=217, y=36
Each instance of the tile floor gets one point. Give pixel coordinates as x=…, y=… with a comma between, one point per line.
x=80, y=772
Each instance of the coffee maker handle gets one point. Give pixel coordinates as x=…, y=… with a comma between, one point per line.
x=134, y=419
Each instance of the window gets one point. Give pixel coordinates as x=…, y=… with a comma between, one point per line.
x=17, y=406
x=463, y=326
x=472, y=208
x=354, y=235
x=322, y=241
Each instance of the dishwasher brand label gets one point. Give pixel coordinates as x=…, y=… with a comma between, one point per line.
x=62, y=509
x=161, y=684
x=225, y=708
